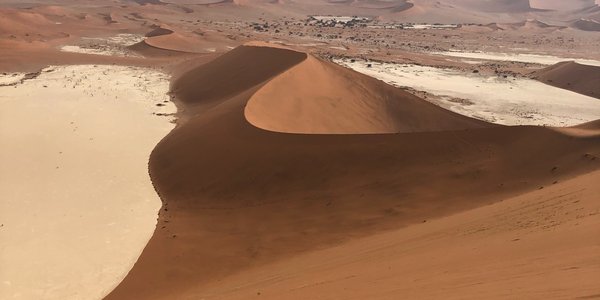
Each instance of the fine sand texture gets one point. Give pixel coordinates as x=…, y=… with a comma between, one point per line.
x=77, y=203
x=540, y=245
x=572, y=76
x=238, y=198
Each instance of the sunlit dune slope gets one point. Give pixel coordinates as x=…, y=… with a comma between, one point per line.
x=321, y=97
x=164, y=40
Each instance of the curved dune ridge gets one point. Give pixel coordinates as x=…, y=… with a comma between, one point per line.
x=160, y=30
x=321, y=97
x=170, y=39
x=572, y=76
x=237, y=198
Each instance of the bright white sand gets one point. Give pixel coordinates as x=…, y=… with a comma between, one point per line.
x=429, y=26
x=76, y=202
x=10, y=78
x=518, y=57
x=111, y=46
x=498, y=100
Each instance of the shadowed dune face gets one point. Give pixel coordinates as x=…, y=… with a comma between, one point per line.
x=321, y=97
x=164, y=39
x=256, y=196
x=233, y=73
x=158, y=31
x=587, y=25
x=572, y=76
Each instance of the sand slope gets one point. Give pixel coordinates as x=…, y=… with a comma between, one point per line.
x=572, y=76
x=233, y=73
x=541, y=245
x=259, y=196
x=170, y=39
x=321, y=97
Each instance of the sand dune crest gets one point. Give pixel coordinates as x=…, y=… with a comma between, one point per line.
x=320, y=97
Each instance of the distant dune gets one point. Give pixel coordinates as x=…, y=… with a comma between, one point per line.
x=587, y=25
x=17, y=23
x=572, y=76
x=160, y=30
x=562, y=5
x=236, y=197
x=164, y=40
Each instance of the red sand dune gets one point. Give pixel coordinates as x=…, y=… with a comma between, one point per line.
x=160, y=30
x=167, y=38
x=18, y=23
x=328, y=98
x=237, y=198
x=572, y=76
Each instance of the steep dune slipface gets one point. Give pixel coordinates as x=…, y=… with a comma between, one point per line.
x=587, y=25
x=321, y=97
x=237, y=197
x=164, y=39
x=572, y=76
x=160, y=30
x=233, y=73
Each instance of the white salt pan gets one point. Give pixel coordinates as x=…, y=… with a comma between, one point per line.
x=504, y=101
x=111, y=46
x=77, y=205
x=518, y=57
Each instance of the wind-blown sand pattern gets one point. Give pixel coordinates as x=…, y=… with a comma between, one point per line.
x=81, y=135
x=475, y=254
